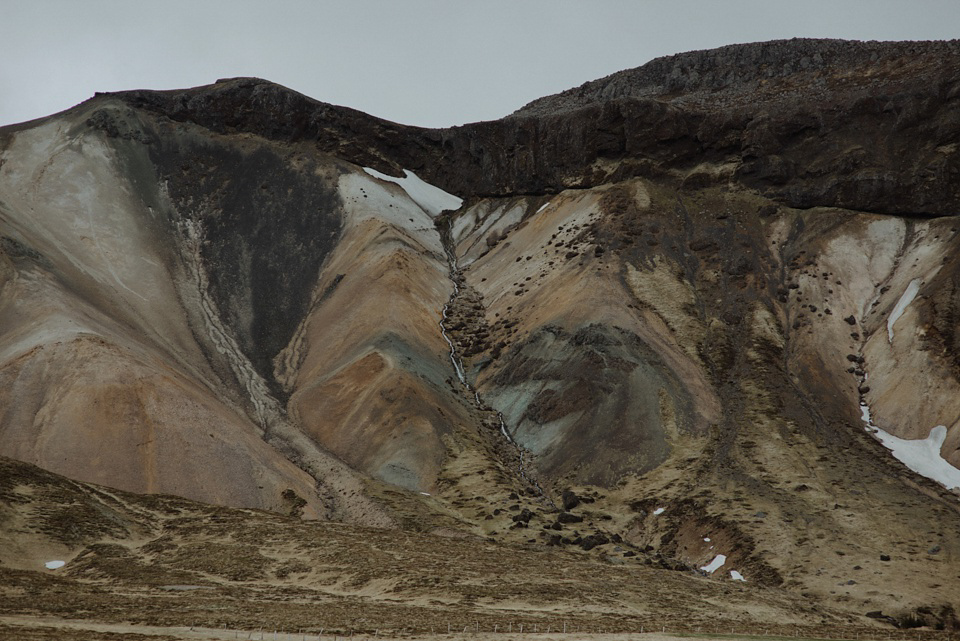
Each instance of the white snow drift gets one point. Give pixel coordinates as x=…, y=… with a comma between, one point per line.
x=923, y=455
x=432, y=200
x=716, y=564
x=920, y=455
x=901, y=306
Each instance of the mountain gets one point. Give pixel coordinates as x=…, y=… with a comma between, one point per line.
x=701, y=312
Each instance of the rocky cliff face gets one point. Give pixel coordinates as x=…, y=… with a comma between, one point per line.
x=678, y=314
x=865, y=126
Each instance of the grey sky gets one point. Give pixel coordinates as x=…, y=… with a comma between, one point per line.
x=422, y=62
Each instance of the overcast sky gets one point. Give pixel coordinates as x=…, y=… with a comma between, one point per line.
x=422, y=62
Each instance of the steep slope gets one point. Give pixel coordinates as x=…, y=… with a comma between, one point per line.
x=707, y=392
x=860, y=125
x=144, y=309
x=676, y=317
x=227, y=318
x=103, y=377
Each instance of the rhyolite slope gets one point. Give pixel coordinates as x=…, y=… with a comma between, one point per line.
x=676, y=285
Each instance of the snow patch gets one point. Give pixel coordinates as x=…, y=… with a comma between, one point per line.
x=901, y=306
x=431, y=199
x=736, y=576
x=542, y=207
x=920, y=455
x=55, y=565
x=923, y=455
x=865, y=415
x=659, y=511
x=707, y=539
x=716, y=564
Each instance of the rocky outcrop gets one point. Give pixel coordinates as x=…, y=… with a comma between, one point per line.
x=866, y=126
x=764, y=72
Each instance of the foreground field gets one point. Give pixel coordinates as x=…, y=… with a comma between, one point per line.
x=65, y=630
x=155, y=565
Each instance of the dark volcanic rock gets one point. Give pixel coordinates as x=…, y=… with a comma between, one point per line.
x=594, y=540
x=570, y=500
x=765, y=107
x=265, y=241
x=524, y=516
x=566, y=517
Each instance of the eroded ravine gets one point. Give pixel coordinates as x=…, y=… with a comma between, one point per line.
x=464, y=328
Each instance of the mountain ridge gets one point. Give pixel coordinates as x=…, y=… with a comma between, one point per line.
x=749, y=66
x=520, y=155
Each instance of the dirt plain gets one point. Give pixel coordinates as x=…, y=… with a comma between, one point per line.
x=152, y=564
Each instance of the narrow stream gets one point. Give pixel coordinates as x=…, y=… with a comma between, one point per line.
x=455, y=277
x=457, y=363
